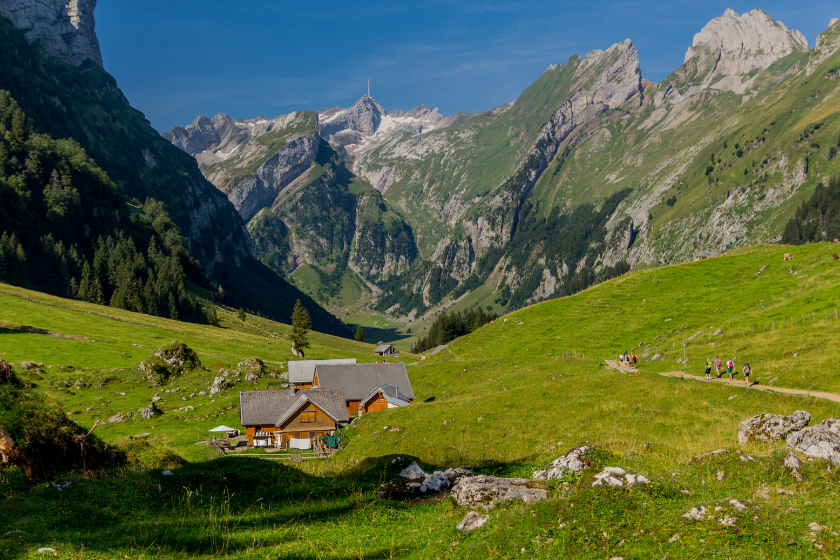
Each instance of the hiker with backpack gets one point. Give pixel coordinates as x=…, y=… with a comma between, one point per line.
x=747, y=370
x=634, y=360
x=708, y=369
x=717, y=366
x=730, y=365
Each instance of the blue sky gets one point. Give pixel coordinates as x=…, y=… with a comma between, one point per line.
x=178, y=59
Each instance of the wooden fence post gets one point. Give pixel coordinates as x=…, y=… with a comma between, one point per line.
x=753, y=330
x=774, y=325
x=814, y=314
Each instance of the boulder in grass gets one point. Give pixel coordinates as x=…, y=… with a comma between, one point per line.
x=488, y=491
x=170, y=361
x=472, y=520
x=574, y=461
x=771, y=427
x=821, y=441
x=150, y=411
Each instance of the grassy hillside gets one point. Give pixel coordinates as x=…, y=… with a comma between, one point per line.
x=512, y=400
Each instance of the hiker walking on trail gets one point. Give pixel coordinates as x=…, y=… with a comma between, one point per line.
x=708, y=369
x=717, y=366
x=747, y=374
x=730, y=365
x=634, y=360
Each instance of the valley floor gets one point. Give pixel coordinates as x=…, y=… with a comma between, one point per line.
x=506, y=400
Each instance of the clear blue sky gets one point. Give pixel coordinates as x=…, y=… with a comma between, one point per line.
x=178, y=59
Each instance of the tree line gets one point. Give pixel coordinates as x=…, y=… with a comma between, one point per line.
x=66, y=229
x=449, y=326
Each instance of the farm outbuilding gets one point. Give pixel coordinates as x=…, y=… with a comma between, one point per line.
x=381, y=398
x=302, y=372
x=387, y=351
x=359, y=380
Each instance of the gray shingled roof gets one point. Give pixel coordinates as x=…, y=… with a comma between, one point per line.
x=384, y=348
x=391, y=394
x=303, y=371
x=358, y=380
x=263, y=408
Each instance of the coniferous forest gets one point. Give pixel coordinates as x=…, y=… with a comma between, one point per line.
x=818, y=219
x=66, y=229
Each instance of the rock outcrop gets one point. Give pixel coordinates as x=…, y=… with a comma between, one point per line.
x=150, y=411
x=618, y=477
x=418, y=483
x=488, y=491
x=571, y=463
x=64, y=29
x=821, y=441
x=771, y=427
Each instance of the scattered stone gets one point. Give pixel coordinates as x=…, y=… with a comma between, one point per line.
x=574, y=461
x=815, y=527
x=166, y=472
x=728, y=521
x=821, y=441
x=717, y=332
x=656, y=357
x=253, y=368
x=150, y=411
x=473, y=520
x=487, y=491
x=120, y=417
x=155, y=399
x=771, y=427
x=202, y=393
x=675, y=538
x=737, y=505
x=618, y=477
x=696, y=514
x=793, y=465
x=219, y=385
x=46, y=550
x=719, y=475
x=763, y=492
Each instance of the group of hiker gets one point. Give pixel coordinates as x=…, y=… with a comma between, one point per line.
x=627, y=360
x=730, y=366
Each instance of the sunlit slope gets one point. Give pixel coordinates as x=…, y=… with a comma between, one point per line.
x=660, y=308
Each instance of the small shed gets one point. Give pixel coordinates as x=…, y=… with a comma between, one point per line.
x=387, y=351
x=382, y=398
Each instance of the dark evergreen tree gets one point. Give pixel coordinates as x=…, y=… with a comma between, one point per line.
x=301, y=323
x=360, y=334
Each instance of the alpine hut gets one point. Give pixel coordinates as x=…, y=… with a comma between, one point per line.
x=381, y=398
x=291, y=421
x=359, y=380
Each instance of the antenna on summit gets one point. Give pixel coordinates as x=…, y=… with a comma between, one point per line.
x=368, y=87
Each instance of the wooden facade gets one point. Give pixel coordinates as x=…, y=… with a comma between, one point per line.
x=375, y=404
x=309, y=422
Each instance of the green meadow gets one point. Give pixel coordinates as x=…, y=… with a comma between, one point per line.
x=505, y=400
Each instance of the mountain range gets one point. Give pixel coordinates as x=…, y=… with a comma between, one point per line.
x=592, y=171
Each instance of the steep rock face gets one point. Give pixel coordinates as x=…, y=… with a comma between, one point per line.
x=64, y=29
x=828, y=44
x=614, y=86
x=260, y=189
x=732, y=46
x=251, y=161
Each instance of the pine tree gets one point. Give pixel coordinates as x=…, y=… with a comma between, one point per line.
x=210, y=313
x=241, y=314
x=360, y=334
x=301, y=323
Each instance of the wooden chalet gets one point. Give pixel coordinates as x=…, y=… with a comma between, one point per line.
x=302, y=372
x=291, y=421
x=359, y=380
x=381, y=398
x=387, y=351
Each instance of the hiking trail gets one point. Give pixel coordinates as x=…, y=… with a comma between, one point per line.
x=734, y=382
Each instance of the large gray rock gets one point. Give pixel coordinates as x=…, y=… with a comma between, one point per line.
x=488, y=491
x=572, y=462
x=150, y=411
x=793, y=465
x=771, y=427
x=64, y=29
x=822, y=440
x=120, y=417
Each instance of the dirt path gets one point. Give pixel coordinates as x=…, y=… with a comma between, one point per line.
x=735, y=383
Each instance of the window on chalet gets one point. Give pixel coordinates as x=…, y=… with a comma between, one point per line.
x=307, y=417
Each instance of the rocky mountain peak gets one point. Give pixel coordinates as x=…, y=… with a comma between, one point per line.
x=363, y=117
x=735, y=44
x=64, y=29
x=827, y=44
